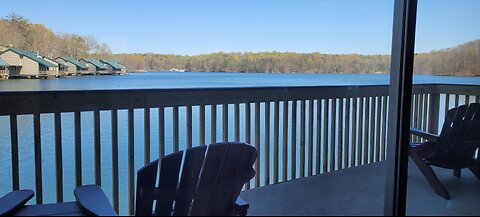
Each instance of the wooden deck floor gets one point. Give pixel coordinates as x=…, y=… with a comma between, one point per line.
x=360, y=191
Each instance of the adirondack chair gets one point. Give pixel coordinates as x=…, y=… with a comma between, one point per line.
x=455, y=148
x=210, y=183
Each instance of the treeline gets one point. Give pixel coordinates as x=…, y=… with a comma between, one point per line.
x=19, y=32
x=462, y=60
x=268, y=62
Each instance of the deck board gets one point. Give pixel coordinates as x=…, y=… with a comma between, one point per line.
x=360, y=191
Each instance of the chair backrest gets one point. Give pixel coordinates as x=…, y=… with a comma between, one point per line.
x=208, y=184
x=460, y=135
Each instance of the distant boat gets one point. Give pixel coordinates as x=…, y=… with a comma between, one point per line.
x=177, y=70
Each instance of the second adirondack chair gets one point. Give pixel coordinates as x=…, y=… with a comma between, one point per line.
x=455, y=148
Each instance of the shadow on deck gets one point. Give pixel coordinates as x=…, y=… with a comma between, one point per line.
x=360, y=191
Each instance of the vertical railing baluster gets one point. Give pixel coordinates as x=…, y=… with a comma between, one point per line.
x=225, y=122
x=420, y=114
x=326, y=107
x=372, y=130
x=58, y=156
x=412, y=116
x=340, y=134
x=78, y=149
x=366, y=136
x=38, y=158
x=354, y=133
x=310, y=137
x=267, y=144
x=302, y=137
x=378, y=103
x=202, y=124
x=417, y=115
x=131, y=161
x=276, y=140
x=333, y=131
x=425, y=115
x=467, y=99
x=257, y=143
x=457, y=100
x=384, y=127
x=319, y=136
x=97, y=147
x=248, y=130
x=115, y=179
x=293, y=171
x=146, y=136
x=360, y=132
x=213, y=125
x=433, y=113
x=346, y=138
x=285, y=142
x=237, y=122
x=189, y=126
x=447, y=103
x=175, y=136
x=161, y=132
x=14, y=146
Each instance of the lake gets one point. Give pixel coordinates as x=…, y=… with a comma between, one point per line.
x=197, y=79
x=137, y=81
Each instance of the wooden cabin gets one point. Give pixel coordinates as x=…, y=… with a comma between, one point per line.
x=26, y=64
x=3, y=69
x=113, y=67
x=74, y=66
x=61, y=68
x=95, y=67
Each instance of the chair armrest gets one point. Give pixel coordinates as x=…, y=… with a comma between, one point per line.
x=13, y=201
x=429, y=136
x=92, y=200
x=241, y=207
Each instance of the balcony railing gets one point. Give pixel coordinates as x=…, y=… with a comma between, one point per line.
x=298, y=131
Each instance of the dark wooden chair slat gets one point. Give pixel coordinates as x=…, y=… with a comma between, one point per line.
x=192, y=165
x=167, y=187
x=232, y=177
x=13, y=201
x=228, y=178
x=93, y=201
x=208, y=178
x=146, y=188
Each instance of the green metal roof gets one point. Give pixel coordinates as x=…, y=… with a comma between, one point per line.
x=59, y=64
x=3, y=63
x=96, y=63
x=32, y=56
x=75, y=62
x=114, y=64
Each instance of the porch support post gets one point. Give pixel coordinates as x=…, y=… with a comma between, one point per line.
x=401, y=77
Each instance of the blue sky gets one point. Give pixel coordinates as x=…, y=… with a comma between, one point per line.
x=198, y=27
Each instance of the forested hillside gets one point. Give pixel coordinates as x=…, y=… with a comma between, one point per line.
x=462, y=60
x=19, y=32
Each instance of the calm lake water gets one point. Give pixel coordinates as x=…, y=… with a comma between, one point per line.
x=182, y=80
x=137, y=81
